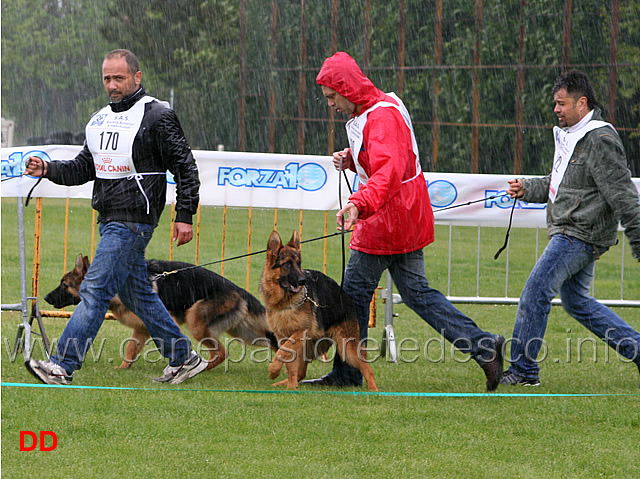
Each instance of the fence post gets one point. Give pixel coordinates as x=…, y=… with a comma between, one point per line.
x=23, y=337
x=388, y=335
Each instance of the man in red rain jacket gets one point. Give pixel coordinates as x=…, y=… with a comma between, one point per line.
x=392, y=218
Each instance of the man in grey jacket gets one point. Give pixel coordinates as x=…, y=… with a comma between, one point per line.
x=588, y=192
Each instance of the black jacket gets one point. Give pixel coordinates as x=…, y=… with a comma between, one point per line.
x=159, y=145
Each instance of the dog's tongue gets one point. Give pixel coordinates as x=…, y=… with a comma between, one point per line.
x=295, y=289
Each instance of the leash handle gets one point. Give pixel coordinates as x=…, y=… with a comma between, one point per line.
x=26, y=165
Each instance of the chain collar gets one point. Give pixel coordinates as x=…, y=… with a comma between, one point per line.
x=305, y=297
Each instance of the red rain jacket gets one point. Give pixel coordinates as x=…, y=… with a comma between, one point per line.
x=394, y=217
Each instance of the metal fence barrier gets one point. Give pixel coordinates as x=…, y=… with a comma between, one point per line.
x=390, y=298
x=386, y=294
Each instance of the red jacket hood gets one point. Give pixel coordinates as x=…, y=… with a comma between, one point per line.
x=341, y=73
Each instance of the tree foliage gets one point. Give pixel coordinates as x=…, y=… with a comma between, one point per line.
x=192, y=52
x=51, y=59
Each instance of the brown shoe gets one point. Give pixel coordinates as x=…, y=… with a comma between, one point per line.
x=493, y=369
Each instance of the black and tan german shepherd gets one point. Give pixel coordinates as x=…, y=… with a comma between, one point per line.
x=203, y=300
x=308, y=312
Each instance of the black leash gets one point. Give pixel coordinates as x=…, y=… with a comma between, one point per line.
x=186, y=268
x=26, y=203
x=344, y=173
x=472, y=202
x=341, y=233
x=26, y=165
x=11, y=178
x=342, y=226
x=506, y=238
x=513, y=207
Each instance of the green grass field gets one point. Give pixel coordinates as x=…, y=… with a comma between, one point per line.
x=584, y=420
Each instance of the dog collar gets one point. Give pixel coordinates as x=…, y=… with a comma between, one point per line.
x=305, y=297
x=301, y=301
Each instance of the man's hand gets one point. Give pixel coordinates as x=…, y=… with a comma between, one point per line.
x=516, y=189
x=345, y=156
x=183, y=232
x=352, y=211
x=35, y=166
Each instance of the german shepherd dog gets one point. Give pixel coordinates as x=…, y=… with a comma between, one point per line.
x=203, y=300
x=308, y=312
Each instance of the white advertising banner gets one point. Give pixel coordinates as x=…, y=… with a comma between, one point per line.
x=264, y=180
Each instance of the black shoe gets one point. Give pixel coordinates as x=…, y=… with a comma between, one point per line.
x=327, y=380
x=513, y=379
x=493, y=369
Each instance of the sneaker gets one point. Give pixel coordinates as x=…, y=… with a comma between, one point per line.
x=510, y=378
x=48, y=372
x=177, y=374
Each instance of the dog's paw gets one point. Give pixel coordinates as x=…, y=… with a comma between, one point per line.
x=274, y=369
x=124, y=365
x=273, y=372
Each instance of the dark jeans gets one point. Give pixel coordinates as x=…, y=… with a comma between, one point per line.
x=119, y=268
x=566, y=267
x=361, y=279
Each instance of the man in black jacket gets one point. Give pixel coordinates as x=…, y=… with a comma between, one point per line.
x=130, y=145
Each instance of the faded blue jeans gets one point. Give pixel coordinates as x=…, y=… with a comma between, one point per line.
x=361, y=278
x=566, y=267
x=119, y=267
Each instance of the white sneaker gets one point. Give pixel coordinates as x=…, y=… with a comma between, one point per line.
x=48, y=372
x=177, y=374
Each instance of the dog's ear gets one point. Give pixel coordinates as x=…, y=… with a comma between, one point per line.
x=275, y=243
x=82, y=264
x=85, y=263
x=294, y=242
x=79, y=263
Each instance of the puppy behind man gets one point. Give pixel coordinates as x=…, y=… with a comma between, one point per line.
x=308, y=312
x=206, y=302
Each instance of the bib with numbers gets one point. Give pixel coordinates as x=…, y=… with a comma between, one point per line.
x=110, y=139
x=355, y=128
x=565, y=144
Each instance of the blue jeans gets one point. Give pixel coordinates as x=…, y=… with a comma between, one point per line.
x=566, y=267
x=361, y=278
x=119, y=268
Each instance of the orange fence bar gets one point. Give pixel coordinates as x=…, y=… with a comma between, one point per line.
x=66, y=314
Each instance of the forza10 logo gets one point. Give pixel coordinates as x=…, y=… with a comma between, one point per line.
x=309, y=177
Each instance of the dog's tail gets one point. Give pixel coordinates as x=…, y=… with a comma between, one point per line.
x=254, y=306
x=272, y=340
